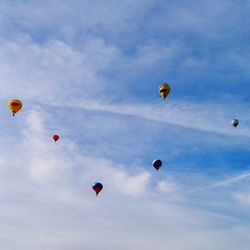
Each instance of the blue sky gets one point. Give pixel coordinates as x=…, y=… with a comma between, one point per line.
x=89, y=71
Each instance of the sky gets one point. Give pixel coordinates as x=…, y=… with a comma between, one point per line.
x=90, y=72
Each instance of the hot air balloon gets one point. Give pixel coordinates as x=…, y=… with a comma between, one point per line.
x=157, y=164
x=164, y=90
x=56, y=137
x=15, y=105
x=97, y=187
x=235, y=122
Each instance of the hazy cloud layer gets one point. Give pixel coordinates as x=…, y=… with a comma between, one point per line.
x=89, y=71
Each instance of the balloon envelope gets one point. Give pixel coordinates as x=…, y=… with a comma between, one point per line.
x=157, y=164
x=56, y=137
x=235, y=122
x=97, y=187
x=164, y=90
x=14, y=106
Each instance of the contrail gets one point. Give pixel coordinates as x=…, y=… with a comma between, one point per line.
x=225, y=183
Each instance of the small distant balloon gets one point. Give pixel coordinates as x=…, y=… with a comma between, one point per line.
x=14, y=106
x=157, y=164
x=164, y=90
x=97, y=187
x=235, y=122
x=56, y=138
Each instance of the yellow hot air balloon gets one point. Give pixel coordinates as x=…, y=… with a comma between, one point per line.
x=15, y=105
x=164, y=90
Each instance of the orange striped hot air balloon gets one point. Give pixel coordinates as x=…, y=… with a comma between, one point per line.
x=97, y=187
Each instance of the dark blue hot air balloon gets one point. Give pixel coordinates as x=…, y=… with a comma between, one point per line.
x=157, y=164
x=235, y=122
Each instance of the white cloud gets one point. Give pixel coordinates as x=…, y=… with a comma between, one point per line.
x=42, y=72
x=37, y=72
x=59, y=202
x=55, y=186
x=63, y=60
x=166, y=187
x=131, y=185
x=243, y=198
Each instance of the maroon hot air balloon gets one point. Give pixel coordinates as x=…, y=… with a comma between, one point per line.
x=56, y=137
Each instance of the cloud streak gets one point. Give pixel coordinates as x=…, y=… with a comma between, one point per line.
x=90, y=71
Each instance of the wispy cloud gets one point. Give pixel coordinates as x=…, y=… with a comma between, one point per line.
x=211, y=118
x=90, y=71
x=225, y=183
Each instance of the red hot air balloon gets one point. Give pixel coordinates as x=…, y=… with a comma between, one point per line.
x=56, y=137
